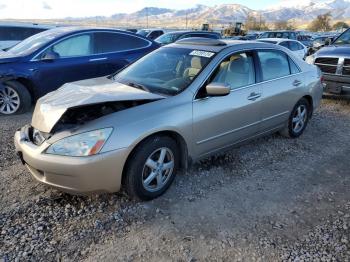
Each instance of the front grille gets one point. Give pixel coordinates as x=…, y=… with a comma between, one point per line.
x=327, y=60
x=346, y=67
x=327, y=65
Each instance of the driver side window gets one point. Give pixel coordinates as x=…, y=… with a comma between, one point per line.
x=236, y=70
x=75, y=46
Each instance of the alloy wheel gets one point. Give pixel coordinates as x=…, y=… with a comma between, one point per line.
x=299, y=118
x=9, y=100
x=158, y=169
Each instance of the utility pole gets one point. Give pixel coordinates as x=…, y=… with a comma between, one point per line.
x=186, y=19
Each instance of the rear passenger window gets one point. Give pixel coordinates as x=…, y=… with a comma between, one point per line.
x=274, y=64
x=117, y=42
x=236, y=70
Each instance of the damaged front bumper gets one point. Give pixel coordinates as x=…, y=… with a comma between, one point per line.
x=77, y=175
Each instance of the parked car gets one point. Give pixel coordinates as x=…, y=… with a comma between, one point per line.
x=172, y=37
x=176, y=105
x=13, y=33
x=151, y=33
x=279, y=34
x=306, y=40
x=319, y=42
x=334, y=62
x=293, y=45
x=44, y=62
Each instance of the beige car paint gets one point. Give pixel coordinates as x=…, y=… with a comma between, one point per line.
x=202, y=125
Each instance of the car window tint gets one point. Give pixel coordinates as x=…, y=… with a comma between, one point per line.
x=274, y=64
x=116, y=42
x=75, y=46
x=17, y=33
x=294, y=46
x=236, y=70
x=285, y=44
x=293, y=67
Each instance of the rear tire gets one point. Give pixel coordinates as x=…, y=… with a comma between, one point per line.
x=152, y=168
x=298, y=119
x=14, y=99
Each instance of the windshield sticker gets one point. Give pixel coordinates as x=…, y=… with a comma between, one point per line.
x=202, y=53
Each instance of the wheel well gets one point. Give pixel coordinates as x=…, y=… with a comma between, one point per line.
x=180, y=141
x=309, y=99
x=29, y=85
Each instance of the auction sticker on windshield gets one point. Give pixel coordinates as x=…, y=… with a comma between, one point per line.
x=202, y=53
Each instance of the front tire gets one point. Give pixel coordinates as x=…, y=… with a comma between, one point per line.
x=298, y=119
x=152, y=168
x=14, y=98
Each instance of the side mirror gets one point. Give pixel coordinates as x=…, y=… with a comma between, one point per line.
x=217, y=89
x=50, y=56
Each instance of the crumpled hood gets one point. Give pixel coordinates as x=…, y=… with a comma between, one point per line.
x=50, y=108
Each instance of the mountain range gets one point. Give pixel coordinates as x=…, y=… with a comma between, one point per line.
x=301, y=11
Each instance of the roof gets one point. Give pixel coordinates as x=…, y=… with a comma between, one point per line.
x=275, y=39
x=205, y=46
x=187, y=32
x=27, y=25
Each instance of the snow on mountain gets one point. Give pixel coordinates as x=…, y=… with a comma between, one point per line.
x=286, y=10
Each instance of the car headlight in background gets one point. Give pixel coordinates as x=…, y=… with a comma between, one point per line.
x=85, y=144
x=310, y=59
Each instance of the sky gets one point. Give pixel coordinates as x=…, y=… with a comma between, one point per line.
x=43, y=9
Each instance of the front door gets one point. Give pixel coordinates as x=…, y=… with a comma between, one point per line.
x=219, y=122
x=68, y=61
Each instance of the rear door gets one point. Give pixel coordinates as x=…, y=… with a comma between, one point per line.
x=116, y=49
x=219, y=122
x=281, y=82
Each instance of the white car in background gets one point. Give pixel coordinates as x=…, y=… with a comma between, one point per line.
x=13, y=33
x=295, y=46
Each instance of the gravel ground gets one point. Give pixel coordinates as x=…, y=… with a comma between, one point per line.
x=273, y=199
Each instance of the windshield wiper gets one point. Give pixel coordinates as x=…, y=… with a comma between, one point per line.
x=138, y=86
x=112, y=76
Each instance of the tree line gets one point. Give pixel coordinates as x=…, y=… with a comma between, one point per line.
x=322, y=23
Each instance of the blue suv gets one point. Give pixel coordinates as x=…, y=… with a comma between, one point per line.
x=44, y=62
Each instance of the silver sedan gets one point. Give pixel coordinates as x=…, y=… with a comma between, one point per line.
x=177, y=105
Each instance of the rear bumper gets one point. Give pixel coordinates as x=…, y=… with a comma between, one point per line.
x=337, y=84
x=78, y=175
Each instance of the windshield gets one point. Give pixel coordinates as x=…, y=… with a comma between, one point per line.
x=167, y=38
x=143, y=32
x=343, y=39
x=34, y=42
x=166, y=71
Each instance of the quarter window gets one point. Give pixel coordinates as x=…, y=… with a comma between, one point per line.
x=294, y=46
x=285, y=44
x=236, y=70
x=75, y=46
x=117, y=42
x=274, y=64
x=293, y=67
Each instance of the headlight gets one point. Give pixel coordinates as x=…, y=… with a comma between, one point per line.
x=85, y=144
x=310, y=59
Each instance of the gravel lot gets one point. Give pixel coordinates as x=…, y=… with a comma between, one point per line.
x=273, y=199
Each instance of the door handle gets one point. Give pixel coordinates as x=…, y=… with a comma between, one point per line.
x=297, y=83
x=254, y=96
x=97, y=59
